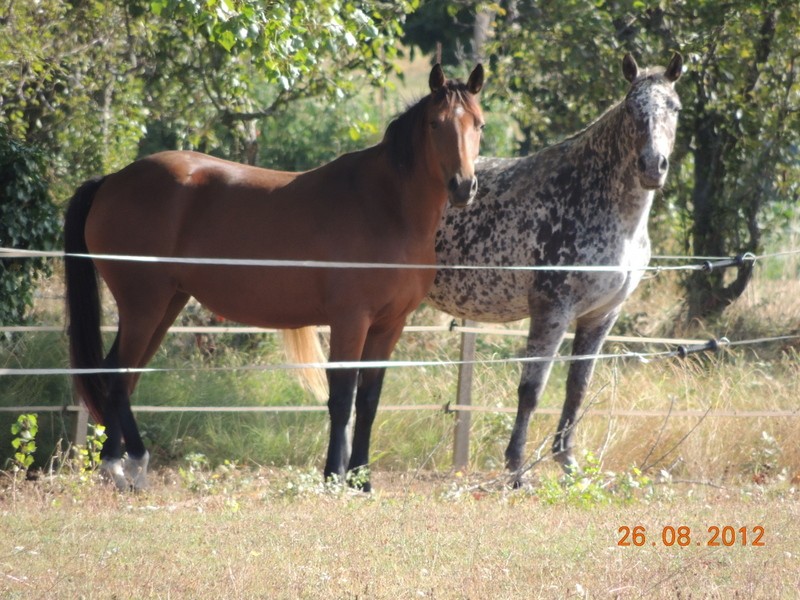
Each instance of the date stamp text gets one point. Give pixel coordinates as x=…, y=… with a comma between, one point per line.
x=683, y=536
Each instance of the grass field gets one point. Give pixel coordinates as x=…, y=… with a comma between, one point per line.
x=281, y=534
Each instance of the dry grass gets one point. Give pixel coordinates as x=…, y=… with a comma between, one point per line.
x=276, y=534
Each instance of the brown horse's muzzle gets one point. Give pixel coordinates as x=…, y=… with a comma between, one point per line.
x=461, y=190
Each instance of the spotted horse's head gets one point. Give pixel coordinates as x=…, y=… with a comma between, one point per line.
x=652, y=104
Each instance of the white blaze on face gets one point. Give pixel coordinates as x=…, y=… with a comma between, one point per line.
x=656, y=113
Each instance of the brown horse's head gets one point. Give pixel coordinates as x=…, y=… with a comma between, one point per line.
x=443, y=129
x=455, y=122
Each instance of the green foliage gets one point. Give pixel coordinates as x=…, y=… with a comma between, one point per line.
x=28, y=220
x=40, y=350
x=68, y=83
x=290, y=40
x=195, y=474
x=198, y=476
x=743, y=92
x=445, y=23
x=557, y=66
x=316, y=132
x=591, y=486
x=89, y=455
x=302, y=483
x=24, y=442
x=90, y=82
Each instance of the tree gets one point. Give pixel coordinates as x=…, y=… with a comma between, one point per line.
x=88, y=80
x=743, y=119
x=445, y=26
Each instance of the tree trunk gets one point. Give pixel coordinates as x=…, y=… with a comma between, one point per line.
x=718, y=209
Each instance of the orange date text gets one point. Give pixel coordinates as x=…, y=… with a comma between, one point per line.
x=683, y=536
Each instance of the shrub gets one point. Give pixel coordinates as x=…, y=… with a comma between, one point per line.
x=28, y=220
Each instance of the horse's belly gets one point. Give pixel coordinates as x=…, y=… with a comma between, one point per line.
x=260, y=298
x=599, y=293
x=287, y=298
x=481, y=295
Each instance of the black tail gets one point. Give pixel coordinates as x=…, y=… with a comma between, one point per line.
x=83, y=301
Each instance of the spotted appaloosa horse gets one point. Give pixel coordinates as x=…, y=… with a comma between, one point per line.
x=584, y=201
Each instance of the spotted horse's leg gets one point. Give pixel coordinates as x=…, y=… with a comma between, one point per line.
x=546, y=332
x=589, y=336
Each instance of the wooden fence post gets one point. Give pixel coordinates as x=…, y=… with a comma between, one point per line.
x=81, y=428
x=464, y=398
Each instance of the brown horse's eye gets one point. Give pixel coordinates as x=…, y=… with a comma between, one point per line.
x=434, y=124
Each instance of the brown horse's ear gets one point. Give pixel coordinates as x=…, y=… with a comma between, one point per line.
x=437, y=79
x=629, y=67
x=475, y=82
x=674, y=68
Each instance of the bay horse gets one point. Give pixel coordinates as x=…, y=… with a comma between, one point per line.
x=582, y=202
x=378, y=205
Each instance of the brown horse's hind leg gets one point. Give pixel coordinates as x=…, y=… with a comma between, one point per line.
x=175, y=307
x=138, y=338
x=121, y=425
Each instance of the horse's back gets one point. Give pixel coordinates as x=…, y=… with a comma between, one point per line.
x=544, y=209
x=145, y=204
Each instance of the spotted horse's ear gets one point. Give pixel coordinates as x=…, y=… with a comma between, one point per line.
x=674, y=68
x=629, y=67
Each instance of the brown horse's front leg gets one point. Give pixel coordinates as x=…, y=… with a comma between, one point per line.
x=367, y=398
x=342, y=383
x=378, y=346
